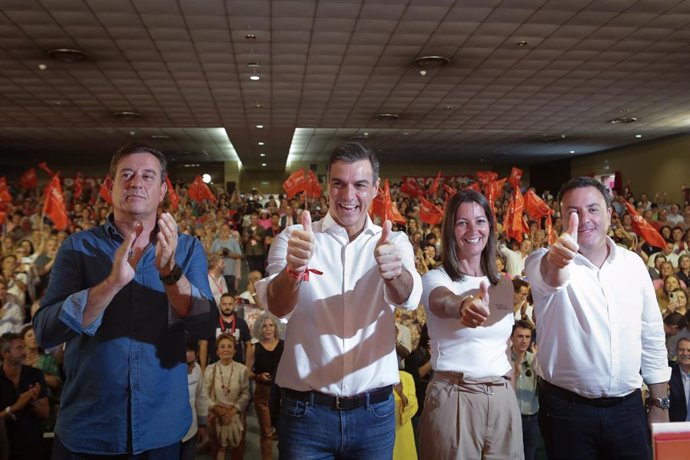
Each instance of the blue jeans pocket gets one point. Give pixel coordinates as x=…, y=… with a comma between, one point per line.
x=293, y=407
x=383, y=409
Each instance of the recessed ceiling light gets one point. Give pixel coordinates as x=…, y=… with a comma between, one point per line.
x=622, y=120
x=206, y=178
x=264, y=164
x=262, y=154
x=257, y=105
x=42, y=67
x=259, y=126
x=521, y=44
x=366, y=134
x=160, y=137
x=572, y=151
x=254, y=77
x=639, y=136
x=250, y=37
x=260, y=143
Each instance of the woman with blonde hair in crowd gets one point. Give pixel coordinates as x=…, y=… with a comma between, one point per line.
x=663, y=294
x=227, y=384
x=262, y=361
x=470, y=409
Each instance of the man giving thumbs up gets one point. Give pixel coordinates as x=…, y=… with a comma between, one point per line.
x=600, y=336
x=338, y=281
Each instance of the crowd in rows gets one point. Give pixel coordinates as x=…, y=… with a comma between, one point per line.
x=237, y=230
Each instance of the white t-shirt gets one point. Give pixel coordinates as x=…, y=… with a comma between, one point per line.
x=476, y=352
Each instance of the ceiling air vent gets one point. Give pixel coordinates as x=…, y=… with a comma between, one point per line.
x=387, y=116
x=622, y=120
x=127, y=115
x=66, y=54
x=430, y=62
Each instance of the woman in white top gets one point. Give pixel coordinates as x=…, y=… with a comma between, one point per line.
x=470, y=410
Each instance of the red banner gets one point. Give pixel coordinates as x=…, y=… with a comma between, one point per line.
x=44, y=166
x=384, y=207
x=411, y=188
x=104, y=193
x=514, y=225
x=434, y=184
x=313, y=187
x=5, y=195
x=78, y=186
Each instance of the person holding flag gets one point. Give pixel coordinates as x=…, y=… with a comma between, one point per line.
x=470, y=411
x=338, y=281
x=602, y=336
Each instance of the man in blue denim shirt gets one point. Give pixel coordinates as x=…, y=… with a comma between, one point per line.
x=121, y=296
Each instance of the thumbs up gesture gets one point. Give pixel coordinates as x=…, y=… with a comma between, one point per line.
x=301, y=245
x=563, y=251
x=474, y=311
x=387, y=255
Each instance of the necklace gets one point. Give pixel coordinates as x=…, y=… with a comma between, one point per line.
x=225, y=386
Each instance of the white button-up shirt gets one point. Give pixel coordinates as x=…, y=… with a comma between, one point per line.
x=601, y=328
x=340, y=338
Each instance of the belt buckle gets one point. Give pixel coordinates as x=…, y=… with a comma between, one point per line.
x=337, y=403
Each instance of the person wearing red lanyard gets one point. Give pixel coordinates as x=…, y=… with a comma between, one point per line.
x=229, y=322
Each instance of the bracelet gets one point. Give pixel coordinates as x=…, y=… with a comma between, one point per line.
x=299, y=276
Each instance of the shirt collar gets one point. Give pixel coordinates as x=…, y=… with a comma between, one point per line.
x=329, y=225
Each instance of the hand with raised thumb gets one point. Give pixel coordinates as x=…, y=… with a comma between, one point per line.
x=563, y=251
x=474, y=310
x=301, y=245
x=387, y=254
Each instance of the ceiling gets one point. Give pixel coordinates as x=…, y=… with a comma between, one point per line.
x=529, y=81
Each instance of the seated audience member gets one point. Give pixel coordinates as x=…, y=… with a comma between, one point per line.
x=666, y=301
x=198, y=400
x=683, y=332
x=11, y=314
x=679, y=385
x=666, y=251
x=23, y=400
x=38, y=358
x=655, y=271
x=16, y=281
x=405, y=408
x=673, y=323
x=684, y=269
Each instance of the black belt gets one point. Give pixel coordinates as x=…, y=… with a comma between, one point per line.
x=341, y=402
x=549, y=388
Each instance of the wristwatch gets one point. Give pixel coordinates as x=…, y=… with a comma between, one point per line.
x=172, y=277
x=662, y=403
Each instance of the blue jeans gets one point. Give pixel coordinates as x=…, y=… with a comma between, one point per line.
x=309, y=431
x=573, y=430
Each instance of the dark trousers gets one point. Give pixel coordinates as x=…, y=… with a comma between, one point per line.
x=575, y=427
x=530, y=435
x=171, y=452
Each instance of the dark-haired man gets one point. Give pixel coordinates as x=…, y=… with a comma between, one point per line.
x=525, y=369
x=339, y=281
x=121, y=296
x=601, y=336
x=680, y=383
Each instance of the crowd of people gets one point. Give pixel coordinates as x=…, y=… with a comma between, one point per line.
x=272, y=276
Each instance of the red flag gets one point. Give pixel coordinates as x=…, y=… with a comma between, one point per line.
x=54, y=204
x=104, y=193
x=492, y=190
x=3, y=215
x=199, y=191
x=78, y=186
x=44, y=166
x=409, y=187
x=5, y=195
x=384, y=207
x=537, y=209
x=172, y=194
x=434, y=184
x=474, y=186
x=28, y=179
x=313, y=187
x=514, y=225
x=297, y=182
x=429, y=212
x=645, y=229
x=484, y=177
